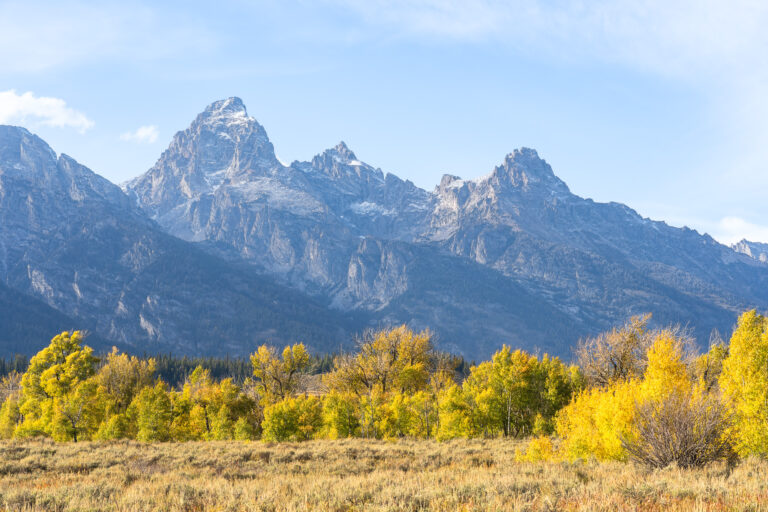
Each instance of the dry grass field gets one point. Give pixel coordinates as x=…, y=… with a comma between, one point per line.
x=351, y=475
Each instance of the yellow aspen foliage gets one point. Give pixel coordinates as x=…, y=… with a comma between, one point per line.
x=539, y=448
x=152, y=411
x=600, y=420
x=408, y=415
x=116, y=426
x=9, y=417
x=593, y=424
x=341, y=415
x=279, y=377
x=58, y=396
x=391, y=368
x=744, y=384
x=122, y=376
x=222, y=426
x=709, y=366
x=10, y=386
x=514, y=394
x=76, y=414
x=243, y=430
x=293, y=419
x=666, y=372
x=454, y=413
x=197, y=423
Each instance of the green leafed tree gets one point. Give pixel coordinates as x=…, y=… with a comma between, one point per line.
x=59, y=396
x=152, y=413
x=293, y=419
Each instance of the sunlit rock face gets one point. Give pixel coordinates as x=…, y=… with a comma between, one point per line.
x=81, y=253
x=344, y=231
x=220, y=245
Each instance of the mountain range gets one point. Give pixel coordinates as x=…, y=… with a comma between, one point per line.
x=220, y=246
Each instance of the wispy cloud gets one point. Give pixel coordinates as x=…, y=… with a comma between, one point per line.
x=672, y=37
x=142, y=135
x=27, y=109
x=730, y=230
x=36, y=35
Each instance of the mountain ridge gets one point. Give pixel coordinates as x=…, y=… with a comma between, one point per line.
x=93, y=256
x=219, y=245
x=593, y=261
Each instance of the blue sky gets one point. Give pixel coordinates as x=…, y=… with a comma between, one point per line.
x=657, y=104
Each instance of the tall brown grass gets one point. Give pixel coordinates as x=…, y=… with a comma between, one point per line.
x=353, y=475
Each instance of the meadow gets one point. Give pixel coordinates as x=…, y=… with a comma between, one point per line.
x=353, y=475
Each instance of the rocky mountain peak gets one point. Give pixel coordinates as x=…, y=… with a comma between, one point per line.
x=523, y=169
x=448, y=179
x=230, y=108
x=756, y=250
x=229, y=120
x=222, y=143
x=19, y=146
x=27, y=162
x=342, y=151
x=341, y=162
x=448, y=184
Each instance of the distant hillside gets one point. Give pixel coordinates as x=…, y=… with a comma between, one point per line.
x=28, y=324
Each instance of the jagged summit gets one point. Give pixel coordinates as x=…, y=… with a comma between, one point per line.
x=220, y=184
x=339, y=162
x=340, y=154
x=526, y=161
x=756, y=250
x=448, y=179
x=525, y=169
x=222, y=144
x=342, y=151
x=226, y=107
x=228, y=117
x=13, y=138
x=8, y=128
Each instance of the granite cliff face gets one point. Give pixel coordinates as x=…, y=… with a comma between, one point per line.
x=335, y=228
x=75, y=242
x=220, y=246
x=756, y=250
x=596, y=261
x=219, y=181
x=345, y=232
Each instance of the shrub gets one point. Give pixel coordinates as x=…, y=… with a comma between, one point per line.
x=689, y=429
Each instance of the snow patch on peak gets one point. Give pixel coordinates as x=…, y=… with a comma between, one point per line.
x=230, y=105
x=214, y=180
x=370, y=209
x=229, y=111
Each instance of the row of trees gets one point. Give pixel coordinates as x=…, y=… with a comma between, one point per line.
x=175, y=369
x=394, y=385
x=636, y=393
